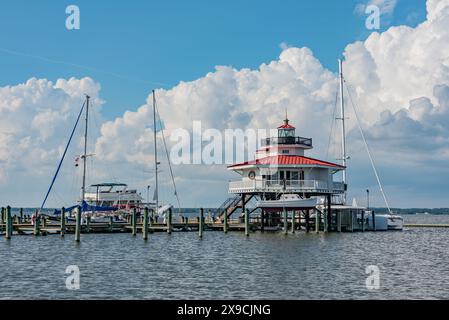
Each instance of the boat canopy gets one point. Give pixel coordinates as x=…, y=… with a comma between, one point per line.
x=87, y=207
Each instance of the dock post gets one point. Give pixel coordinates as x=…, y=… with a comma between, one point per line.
x=285, y=221
x=363, y=220
x=325, y=221
x=338, y=213
x=307, y=215
x=78, y=224
x=317, y=221
x=88, y=224
x=201, y=224
x=225, y=223
x=293, y=221
x=169, y=221
x=21, y=215
x=247, y=222
x=2, y=218
x=134, y=222
x=145, y=224
x=36, y=223
x=373, y=215
x=111, y=224
x=62, y=232
x=329, y=212
x=8, y=219
x=262, y=221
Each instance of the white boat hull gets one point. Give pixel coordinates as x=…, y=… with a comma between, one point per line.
x=291, y=204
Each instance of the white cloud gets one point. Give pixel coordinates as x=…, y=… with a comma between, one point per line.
x=36, y=118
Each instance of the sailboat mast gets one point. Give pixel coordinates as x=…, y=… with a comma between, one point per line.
x=155, y=153
x=83, y=190
x=343, y=129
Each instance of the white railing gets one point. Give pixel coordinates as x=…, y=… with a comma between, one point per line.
x=258, y=185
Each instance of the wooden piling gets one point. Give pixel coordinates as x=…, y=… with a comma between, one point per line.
x=145, y=224
x=134, y=222
x=78, y=225
x=2, y=218
x=338, y=213
x=329, y=212
x=317, y=221
x=36, y=229
x=285, y=221
x=201, y=224
x=62, y=231
x=373, y=216
x=169, y=224
x=8, y=222
x=88, y=218
x=262, y=221
x=247, y=222
x=21, y=215
x=307, y=216
x=363, y=220
x=111, y=224
x=225, y=223
x=293, y=221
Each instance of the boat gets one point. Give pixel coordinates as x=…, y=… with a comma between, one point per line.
x=102, y=200
x=115, y=195
x=288, y=201
x=394, y=222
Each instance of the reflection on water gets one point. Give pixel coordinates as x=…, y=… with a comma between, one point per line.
x=413, y=265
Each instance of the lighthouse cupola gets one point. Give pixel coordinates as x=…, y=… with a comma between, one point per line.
x=286, y=130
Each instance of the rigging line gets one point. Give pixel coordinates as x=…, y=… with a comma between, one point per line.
x=332, y=125
x=168, y=158
x=368, y=150
x=63, y=156
x=79, y=66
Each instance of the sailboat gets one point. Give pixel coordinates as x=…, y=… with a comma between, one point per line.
x=390, y=221
x=160, y=210
x=102, y=203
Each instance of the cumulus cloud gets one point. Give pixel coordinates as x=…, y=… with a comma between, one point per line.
x=36, y=118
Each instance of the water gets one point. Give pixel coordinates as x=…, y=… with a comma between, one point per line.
x=413, y=265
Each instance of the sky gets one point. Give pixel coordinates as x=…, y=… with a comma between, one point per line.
x=230, y=64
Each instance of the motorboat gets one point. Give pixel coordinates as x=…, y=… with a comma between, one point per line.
x=289, y=202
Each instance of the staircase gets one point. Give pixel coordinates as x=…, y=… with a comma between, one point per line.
x=231, y=205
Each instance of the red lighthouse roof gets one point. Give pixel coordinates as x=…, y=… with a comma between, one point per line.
x=287, y=161
x=286, y=125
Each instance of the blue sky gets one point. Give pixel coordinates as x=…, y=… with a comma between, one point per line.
x=154, y=44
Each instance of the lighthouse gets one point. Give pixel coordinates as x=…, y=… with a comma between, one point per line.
x=281, y=167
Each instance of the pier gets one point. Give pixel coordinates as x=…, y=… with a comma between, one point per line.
x=141, y=222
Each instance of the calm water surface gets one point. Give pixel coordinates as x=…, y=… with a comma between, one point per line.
x=414, y=264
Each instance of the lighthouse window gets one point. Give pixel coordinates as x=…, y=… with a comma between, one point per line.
x=287, y=133
x=285, y=151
